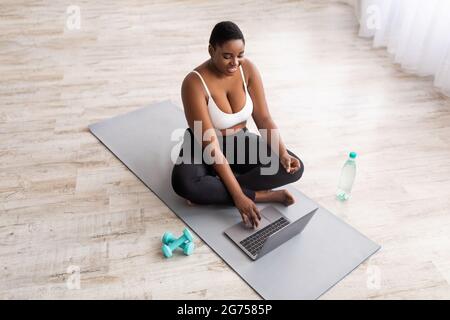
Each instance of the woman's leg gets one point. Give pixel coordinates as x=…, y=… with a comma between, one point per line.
x=256, y=180
x=198, y=182
x=252, y=175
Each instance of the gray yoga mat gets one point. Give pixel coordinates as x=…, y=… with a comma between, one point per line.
x=305, y=267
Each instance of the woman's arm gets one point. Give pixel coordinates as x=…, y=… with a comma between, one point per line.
x=261, y=115
x=196, y=109
x=264, y=121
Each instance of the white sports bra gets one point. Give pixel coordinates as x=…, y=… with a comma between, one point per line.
x=222, y=120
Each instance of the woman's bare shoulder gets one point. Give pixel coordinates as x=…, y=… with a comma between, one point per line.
x=250, y=69
x=192, y=79
x=192, y=82
x=192, y=89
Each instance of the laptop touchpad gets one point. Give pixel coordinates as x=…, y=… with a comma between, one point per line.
x=241, y=231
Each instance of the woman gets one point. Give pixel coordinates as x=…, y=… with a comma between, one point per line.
x=222, y=93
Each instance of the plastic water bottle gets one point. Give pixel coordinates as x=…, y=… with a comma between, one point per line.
x=347, y=177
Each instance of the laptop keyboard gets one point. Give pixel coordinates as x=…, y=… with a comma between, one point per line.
x=255, y=242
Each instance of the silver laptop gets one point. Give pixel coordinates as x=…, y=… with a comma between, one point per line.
x=274, y=230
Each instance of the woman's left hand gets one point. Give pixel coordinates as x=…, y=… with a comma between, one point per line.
x=290, y=163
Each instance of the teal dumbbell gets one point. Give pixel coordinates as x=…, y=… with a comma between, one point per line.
x=169, y=238
x=186, y=240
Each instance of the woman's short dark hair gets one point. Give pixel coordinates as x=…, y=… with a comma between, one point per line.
x=225, y=31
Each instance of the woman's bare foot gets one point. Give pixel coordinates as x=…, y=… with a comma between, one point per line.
x=281, y=196
x=288, y=198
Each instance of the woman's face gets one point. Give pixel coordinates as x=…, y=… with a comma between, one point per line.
x=228, y=56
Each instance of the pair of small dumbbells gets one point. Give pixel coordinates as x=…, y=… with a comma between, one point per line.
x=170, y=243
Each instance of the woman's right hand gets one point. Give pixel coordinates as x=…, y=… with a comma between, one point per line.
x=248, y=210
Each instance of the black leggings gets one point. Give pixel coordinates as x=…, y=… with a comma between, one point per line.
x=199, y=183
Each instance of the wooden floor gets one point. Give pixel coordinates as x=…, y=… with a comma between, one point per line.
x=66, y=202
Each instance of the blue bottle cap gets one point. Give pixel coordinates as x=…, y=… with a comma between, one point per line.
x=352, y=155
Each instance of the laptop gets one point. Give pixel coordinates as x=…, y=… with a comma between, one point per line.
x=274, y=230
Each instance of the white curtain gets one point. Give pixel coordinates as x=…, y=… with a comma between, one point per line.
x=415, y=32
